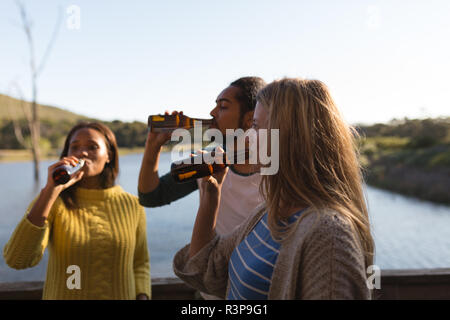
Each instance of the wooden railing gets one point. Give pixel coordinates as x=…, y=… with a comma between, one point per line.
x=429, y=284
x=395, y=285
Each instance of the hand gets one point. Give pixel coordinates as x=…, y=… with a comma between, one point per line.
x=41, y=208
x=159, y=138
x=141, y=296
x=213, y=184
x=205, y=222
x=72, y=161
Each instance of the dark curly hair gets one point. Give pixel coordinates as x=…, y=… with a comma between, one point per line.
x=249, y=87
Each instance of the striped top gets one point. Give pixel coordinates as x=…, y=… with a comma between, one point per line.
x=251, y=264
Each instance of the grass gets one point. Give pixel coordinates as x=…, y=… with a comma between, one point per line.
x=398, y=165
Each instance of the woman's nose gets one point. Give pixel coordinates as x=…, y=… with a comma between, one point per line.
x=81, y=154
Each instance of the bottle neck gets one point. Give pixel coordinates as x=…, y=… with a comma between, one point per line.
x=205, y=122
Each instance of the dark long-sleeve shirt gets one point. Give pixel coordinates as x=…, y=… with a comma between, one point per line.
x=167, y=191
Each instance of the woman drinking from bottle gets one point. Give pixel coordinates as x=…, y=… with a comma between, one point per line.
x=94, y=230
x=311, y=237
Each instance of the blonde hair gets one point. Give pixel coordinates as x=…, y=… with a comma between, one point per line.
x=318, y=163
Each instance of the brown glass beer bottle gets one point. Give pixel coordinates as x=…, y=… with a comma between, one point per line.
x=168, y=123
x=188, y=170
x=61, y=174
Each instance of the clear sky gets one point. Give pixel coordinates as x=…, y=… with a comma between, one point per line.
x=128, y=59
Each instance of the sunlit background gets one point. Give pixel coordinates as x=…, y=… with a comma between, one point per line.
x=125, y=60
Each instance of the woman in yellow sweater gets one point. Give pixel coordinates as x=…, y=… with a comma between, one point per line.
x=95, y=231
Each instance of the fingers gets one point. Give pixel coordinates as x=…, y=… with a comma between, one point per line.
x=219, y=155
x=173, y=113
x=162, y=137
x=77, y=176
x=199, y=152
x=74, y=179
x=210, y=183
x=71, y=160
x=220, y=176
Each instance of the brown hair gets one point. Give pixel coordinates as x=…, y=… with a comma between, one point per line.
x=111, y=169
x=319, y=165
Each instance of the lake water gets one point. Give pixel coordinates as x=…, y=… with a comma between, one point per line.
x=409, y=233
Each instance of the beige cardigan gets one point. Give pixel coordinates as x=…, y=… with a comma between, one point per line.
x=322, y=260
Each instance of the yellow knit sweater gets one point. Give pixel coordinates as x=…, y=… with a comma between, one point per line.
x=105, y=239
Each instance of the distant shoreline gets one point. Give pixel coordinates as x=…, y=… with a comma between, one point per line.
x=423, y=182
x=8, y=155
x=22, y=155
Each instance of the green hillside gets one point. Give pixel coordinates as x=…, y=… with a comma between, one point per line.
x=56, y=123
x=406, y=156
x=11, y=108
x=409, y=156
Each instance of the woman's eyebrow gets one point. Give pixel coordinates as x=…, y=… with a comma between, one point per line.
x=77, y=141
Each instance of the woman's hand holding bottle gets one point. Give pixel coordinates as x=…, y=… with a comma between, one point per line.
x=205, y=222
x=74, y=178
x=211, y=185
x=41, y=208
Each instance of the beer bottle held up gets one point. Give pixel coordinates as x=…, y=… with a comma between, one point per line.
x=168, y=123
x=189, y=170
x=62, y=174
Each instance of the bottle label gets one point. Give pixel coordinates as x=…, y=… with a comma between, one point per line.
x=158, y=118
x=187, y=175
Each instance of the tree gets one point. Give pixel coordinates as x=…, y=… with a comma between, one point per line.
x=35, y=71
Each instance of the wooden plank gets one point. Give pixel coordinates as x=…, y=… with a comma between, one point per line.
x=395, y=285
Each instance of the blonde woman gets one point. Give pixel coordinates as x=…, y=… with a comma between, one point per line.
x=311, y=238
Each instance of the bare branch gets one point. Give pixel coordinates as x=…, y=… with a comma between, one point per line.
x=51, y=42
x=33, y=121
x=27, y=24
